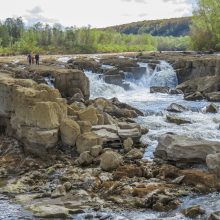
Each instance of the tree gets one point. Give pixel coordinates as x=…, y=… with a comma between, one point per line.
x=205, y=30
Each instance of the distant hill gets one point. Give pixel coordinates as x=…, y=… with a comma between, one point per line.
x=163, y=27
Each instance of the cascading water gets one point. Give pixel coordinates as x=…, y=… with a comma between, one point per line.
x=154, y=106
x=163, y=76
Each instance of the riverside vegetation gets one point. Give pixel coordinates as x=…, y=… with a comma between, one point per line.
x=201, y=32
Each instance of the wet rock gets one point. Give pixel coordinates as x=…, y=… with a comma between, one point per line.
x=110, y=160
x=214, y=216
x=176, y=108
x=59, y=191
x=210, y=182
x=89, y=114
x=194, y=211
x=49, y=211
x=212, y=108
x=177, y=120
x=175, y=91
x=86, y=141
x=129, y=171
x=203, y=84
x=156, y=89
x=177, y=148
x=69, y=130
x=85, y=158
x=213, y=96
x=168, y=171
x=213, y=163
x=194, y=96
x=134, y=154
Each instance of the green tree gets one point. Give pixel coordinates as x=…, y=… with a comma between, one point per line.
x=205, y=30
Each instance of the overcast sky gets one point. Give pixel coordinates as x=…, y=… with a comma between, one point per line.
x=97, y=13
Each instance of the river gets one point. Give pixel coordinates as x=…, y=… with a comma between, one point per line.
x=153, y=105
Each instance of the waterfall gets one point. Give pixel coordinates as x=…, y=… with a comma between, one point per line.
x=162, y=75
x=99, y=88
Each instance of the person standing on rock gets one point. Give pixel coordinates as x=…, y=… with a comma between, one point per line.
x=37, y=58
x=29, y=58
x=32, y=59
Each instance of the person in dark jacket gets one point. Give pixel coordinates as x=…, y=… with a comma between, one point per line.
x=37, y=59
x=29, y=58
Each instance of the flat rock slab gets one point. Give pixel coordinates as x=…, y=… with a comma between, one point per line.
x=177, y=148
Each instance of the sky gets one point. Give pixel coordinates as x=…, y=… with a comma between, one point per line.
x=97, y=13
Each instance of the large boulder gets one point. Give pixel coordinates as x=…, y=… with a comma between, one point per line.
x=34, y=112
x=177, y=120
x=177, y=148
x=69, y=131
x=110, y=160
x=213, y=163
x=212, y=108
x=213, y=96
x=89, y=114
x=67, y=81
x=86, y=141
x=174, y=107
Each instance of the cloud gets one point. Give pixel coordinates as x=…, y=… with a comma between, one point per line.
x=35, y=10
x=137, y=1
x=143, y=15
x=35, y=15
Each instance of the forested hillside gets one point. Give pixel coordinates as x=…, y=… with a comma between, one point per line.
x=164, y=27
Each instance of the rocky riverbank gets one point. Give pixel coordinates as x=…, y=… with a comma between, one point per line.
x=62, y=153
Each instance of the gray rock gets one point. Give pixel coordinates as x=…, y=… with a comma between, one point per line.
x=110, y=160
x=176, y=108
x=177, y=120
x=177, y=148
x=213, y=163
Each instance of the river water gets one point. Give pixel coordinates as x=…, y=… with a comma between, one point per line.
x=154, y=106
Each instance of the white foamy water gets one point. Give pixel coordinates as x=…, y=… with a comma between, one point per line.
x=154, y=105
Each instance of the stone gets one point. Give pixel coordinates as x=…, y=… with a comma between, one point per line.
x=198, y=177
x=110, y=160
x=106, y=135
x=37, y=141
x=134, y=133
x=67, y=186
x=85, y=158
x=89, y=114
x=69, y=131
x=159, y=89
x=177, y=120
x=194, y=96
x=214, y=216
x=134, y=154
x=212, y=108
x=86, y=141
x=176, y=108
x=177, y=148
x=49, y=211
x=85, y=126
x=128, y=143
x=110, y=128
x=101, y=119
x=96, y=150
x=59, y=191
x=213, y=96
x=194, y=211
x=213, y=163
